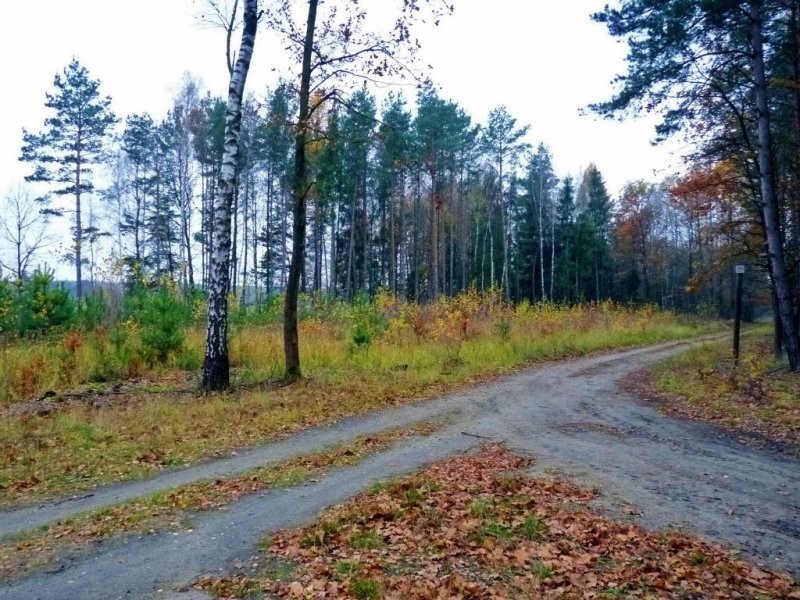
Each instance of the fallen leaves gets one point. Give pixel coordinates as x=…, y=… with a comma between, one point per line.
x=163, y=510
x=472, y=527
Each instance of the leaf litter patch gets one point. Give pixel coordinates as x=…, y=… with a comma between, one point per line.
x=476, y=527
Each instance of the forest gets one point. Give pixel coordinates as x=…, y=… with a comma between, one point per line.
x=342, y=302
x=409, y=194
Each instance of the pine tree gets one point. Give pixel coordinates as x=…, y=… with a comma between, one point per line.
x=356, y=130
x=138, y=143
x=533, y=217
x=707, y=63
x=441, y=127
x=595, y=204
x=275, y=142
x=564, y=223
x=394, y=146
x=71, y=143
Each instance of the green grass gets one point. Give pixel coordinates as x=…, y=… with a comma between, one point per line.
x=365, y=589
x=542, y=571
x=760, y=395
x=165, y=508
x=498, y=530
x=366, y=540
x=532, y=528
x=345, y=568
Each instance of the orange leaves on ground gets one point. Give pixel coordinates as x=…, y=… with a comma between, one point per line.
x=473, y=527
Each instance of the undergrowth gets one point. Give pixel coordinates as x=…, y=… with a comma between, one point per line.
x=760, y=395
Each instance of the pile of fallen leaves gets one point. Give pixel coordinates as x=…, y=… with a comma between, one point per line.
x=474, y=527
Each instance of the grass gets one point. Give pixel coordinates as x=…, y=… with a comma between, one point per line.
x=759, y=396
x=417, y=352
x=533, y=528
x=365, y=589
x=168, y=509
x=572, y=554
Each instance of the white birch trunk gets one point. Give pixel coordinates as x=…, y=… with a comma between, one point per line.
x=216, y=368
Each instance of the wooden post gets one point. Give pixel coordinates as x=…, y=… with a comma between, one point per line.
x=737, y=313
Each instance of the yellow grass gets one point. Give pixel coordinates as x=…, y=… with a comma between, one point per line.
x=759, y=396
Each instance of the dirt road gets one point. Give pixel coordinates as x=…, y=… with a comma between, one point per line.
x=570, y=416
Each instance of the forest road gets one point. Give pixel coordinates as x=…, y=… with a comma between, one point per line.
x=571, y=417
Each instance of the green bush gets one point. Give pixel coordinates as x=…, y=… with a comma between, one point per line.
x=189, y=359
x=162, y=321
x=92, y=311
x=42, y=306
x=368, y=321
x=7, y=309
x=133, y=304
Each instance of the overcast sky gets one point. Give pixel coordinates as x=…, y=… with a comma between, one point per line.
x=544, y=59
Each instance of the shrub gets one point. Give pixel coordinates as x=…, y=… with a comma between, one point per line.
x=368, y=321
x=189, y=359
x=162, y=323
x=7, y=313
x=503, y=327
x=92, y=311
x=44, y=307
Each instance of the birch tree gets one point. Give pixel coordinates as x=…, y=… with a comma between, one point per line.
x=216, y=367
x=24, y=229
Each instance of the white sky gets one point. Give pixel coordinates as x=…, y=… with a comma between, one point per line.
x=544, y=59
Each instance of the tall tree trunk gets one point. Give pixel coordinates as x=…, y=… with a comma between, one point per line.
x=234, y=264
x=350, y=283
x=333, y=281
x=317, y=283
x=435, y=203
x=417, y=202
x=505, y=231
x=769, y=198
x=78, y=226
x=541, y=239
x=365, y=262
x=216, y=368
x=795, y=201
x=552, y=249
x=291, y=344
x=392, y=250
x=245, y=238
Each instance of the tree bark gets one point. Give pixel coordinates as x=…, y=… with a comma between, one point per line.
x=78, y=225
x=216, y=367
x=435, y=204
x=291, y=344
x=769, y=198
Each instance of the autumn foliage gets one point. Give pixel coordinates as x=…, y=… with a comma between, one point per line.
x=475, y=527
